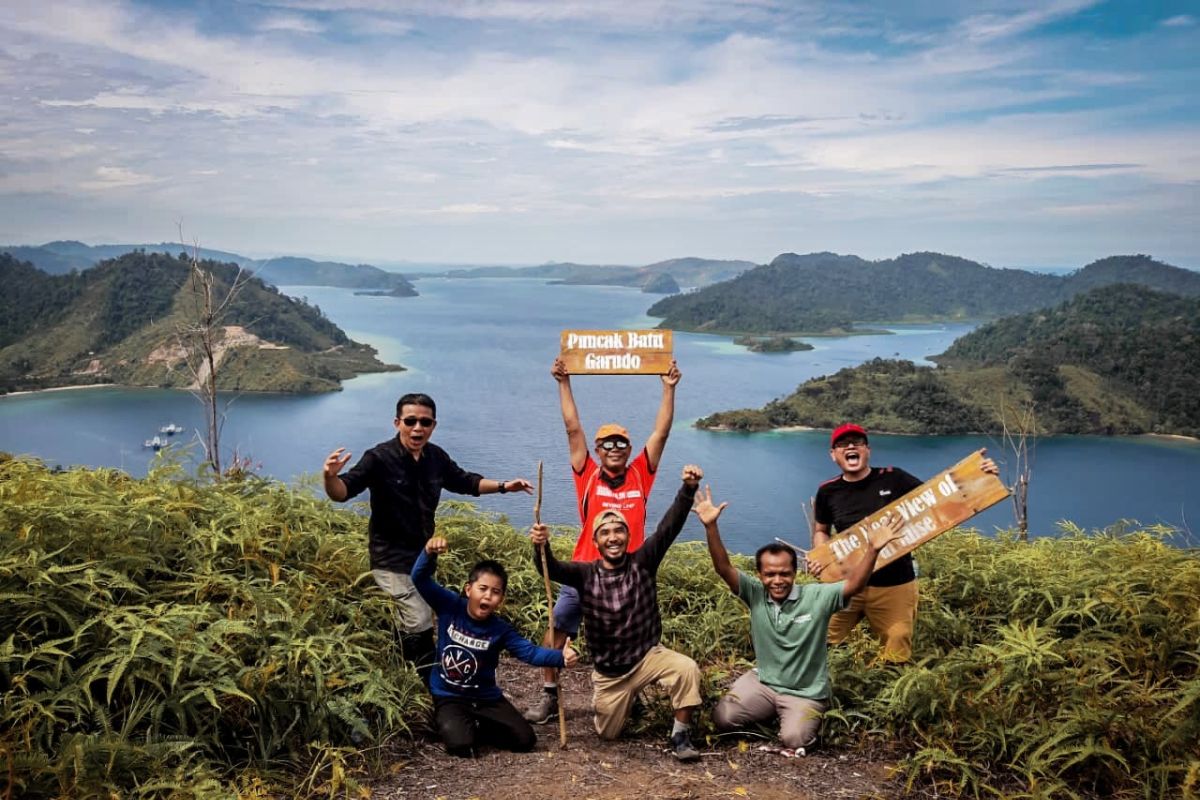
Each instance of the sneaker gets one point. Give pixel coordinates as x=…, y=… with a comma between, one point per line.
x=682, y=747
x=545, y=710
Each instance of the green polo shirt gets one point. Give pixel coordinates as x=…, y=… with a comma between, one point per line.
x=789, y=637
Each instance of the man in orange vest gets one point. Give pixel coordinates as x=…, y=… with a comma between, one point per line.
x=610, y=481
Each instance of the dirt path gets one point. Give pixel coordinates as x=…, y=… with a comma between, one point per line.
x=637, y=766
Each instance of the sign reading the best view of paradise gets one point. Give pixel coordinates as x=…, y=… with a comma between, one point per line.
x=617, y=352
x=934, y=507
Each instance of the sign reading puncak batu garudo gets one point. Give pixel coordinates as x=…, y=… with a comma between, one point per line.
x=617, y=352
x=934, y=507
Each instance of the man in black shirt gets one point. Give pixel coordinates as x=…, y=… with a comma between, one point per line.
x=406, y=476
x=890, y=600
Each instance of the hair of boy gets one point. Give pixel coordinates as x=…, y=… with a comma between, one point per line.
x=774, y=547
x=490, y=567
x=415, y=399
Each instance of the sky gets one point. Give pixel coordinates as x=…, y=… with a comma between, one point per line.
x=1011, y=132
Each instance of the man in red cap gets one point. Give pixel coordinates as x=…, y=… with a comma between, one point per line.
x=890, y=600
x=611, y=482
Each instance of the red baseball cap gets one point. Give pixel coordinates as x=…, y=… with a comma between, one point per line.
x=845, y=430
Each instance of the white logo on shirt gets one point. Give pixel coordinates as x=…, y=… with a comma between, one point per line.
x=885, y=492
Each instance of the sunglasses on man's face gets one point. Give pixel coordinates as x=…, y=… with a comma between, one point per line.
x=857, y=441
x=614, y=444
x=424, y=422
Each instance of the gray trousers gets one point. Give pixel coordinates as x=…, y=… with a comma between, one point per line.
x=749, y=701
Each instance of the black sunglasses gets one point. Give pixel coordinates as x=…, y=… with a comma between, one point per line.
x=846, y=441
x=614, y=444
x=424, y=422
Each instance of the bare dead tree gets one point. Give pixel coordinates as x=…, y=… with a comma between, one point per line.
x=1019, y=437
x=200, y=338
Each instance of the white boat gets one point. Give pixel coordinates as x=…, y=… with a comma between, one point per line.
x=170, y=429
x=157, y=443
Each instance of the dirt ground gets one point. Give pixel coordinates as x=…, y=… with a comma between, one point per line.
x=635, y=766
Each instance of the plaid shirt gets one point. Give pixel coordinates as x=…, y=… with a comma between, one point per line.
x=620, y=606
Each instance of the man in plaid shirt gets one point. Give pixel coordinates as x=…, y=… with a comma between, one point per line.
x=619, y=595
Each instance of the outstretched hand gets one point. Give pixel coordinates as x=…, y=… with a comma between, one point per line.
x=890, y=531
x=518, y=485
x=539, y=534
x=436, y=545
x=335, y=462
x=704, y=508
x=692, y=475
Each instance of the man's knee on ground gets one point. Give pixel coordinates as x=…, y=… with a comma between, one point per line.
x=729, y=714
x=801, y=737
x=522, y=741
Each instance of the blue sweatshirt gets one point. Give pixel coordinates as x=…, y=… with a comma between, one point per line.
x=469, y=649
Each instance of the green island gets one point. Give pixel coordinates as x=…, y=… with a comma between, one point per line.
x=118, y=323
x=771, y=344
x=661, y=277
x=65, y=256
x=825, y=292
x=169, y=637
x=1120, y=359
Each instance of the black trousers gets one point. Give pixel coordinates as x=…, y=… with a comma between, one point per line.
x=466, y=724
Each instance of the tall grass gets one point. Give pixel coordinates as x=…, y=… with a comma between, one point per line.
x=168, y=638
x=162, y=637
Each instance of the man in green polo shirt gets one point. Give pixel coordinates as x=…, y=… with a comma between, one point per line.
x=788, y=626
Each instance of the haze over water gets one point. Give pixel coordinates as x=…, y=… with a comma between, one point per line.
x=483, y=349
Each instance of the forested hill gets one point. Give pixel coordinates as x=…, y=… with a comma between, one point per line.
x=61, y=257
x=117, y=323
x=661, y=277
x=826, y=292
x=1118, y=359
x=290, y=271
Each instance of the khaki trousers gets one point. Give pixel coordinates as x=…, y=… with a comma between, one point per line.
x=613, y=697
x=749, y=701
x=412, y=614
x=890, y=611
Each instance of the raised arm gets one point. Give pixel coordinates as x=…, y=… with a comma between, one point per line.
x=708, y=514
x=437, y=596
x=655, y=547
x=666, y=416
x=576, y=440
x=335, y=462
x=860, y=573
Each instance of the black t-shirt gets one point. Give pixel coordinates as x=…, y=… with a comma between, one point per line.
x=843, y=504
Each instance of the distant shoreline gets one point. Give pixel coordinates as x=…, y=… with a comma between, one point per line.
x=1179, y=437
x=72, y=388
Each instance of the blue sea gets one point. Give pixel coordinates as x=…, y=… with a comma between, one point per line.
x=483, y=349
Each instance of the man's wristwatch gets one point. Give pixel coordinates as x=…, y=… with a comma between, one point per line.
x=503, y=487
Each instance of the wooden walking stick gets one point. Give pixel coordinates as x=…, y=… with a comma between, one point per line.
x=537, y=519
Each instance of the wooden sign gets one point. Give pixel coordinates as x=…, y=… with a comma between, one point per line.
x=934, y=507
x=617, y=352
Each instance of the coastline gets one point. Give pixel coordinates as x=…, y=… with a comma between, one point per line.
x=71, y=388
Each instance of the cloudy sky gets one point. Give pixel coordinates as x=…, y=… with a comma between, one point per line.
x=1014, y=132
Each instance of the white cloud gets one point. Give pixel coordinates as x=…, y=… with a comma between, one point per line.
x=1179, y=21
x=116, y=178
x=291, y=23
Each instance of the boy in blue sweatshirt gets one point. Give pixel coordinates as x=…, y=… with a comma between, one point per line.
x=469, y=708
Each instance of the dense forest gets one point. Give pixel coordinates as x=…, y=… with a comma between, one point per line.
x=117, y=323
x=62, y=257
x=1118, y=359
x=825, y=292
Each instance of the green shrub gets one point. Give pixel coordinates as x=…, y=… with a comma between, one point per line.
x=168, y=638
